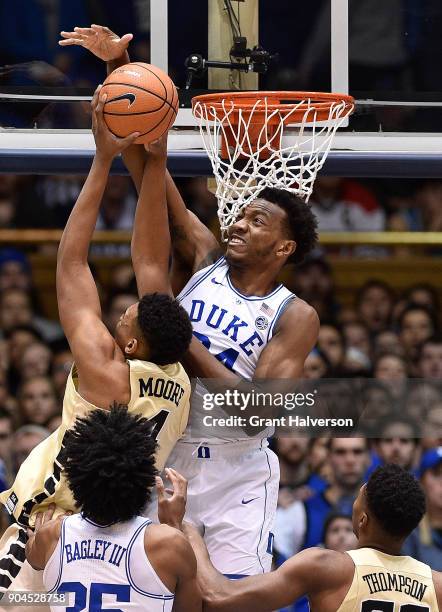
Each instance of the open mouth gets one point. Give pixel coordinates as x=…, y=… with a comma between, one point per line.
x=235, y=239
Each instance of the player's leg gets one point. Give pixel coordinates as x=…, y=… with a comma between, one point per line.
x=240, y=497
x=15, y=572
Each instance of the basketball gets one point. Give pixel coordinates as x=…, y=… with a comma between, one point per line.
x=140, y=98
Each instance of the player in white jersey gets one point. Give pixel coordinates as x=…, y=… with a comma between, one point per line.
x=248, y=327
x=373, y=578
x=109, y=556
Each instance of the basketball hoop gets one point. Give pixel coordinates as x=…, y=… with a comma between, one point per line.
x=243, y=135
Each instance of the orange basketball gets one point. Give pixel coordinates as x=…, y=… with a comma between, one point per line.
x=140, y=98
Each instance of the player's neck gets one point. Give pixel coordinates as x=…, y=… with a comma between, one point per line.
x=251, y=281
x=388, y=547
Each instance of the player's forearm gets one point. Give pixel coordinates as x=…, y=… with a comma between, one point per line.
x=151, y=237
x=116, y=63
x=214, y=586
x=183, y=242
x=199, y=362
x=77, y=235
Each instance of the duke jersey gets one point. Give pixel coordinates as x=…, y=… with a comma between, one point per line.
x=235, y=328
x=105, y=568
x=159, y=393
x=388, y=583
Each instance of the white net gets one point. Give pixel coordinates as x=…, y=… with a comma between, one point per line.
x=254, y=155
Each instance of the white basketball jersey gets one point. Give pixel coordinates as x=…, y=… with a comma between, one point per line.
x=105, y=568
x=235, y=328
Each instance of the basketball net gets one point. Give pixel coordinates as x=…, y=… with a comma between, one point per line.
x=243, y=136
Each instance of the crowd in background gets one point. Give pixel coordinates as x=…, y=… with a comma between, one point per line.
x=340, y=204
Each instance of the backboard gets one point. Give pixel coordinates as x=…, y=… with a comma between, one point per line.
x=386, y=54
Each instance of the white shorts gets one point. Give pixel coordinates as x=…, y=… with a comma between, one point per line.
x=231, y=497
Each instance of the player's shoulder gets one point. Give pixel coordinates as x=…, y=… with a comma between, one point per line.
x=298, y=312
x=323, y=565
x=437, y=582
x=161, y=538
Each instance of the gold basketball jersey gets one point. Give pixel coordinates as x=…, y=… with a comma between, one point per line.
x=387, y=583
x=158, y=393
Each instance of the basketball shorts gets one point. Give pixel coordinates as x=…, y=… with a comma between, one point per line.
x=231, y=498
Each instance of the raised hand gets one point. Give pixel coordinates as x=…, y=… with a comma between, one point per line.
x=171, y=510
x=108, y=145
x=99, y=40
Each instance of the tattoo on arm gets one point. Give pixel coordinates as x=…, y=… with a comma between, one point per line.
x=209, y=259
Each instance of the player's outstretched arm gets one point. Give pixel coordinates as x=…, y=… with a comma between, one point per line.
x=194, y=245
x=150, y=247
x=78, y=302
x=279, y=589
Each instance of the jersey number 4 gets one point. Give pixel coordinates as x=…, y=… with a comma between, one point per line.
x=371, y=605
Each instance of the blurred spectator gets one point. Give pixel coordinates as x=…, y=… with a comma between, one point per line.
x=377, y=403
x=357, y=335
x=416, y=325
x=122, y=278
x=16, y=309
x=331, y=343
x=313, y=282
x=387, y=342
x=429, y=363
x=297, y=482
x=37, y=401
x=338, y=533
x=432, y=427
x=301, y=524
x=398, y=442
x=118, y=205
x=35, y=360
x=316, y=365
x=374, y=304
x=342, y=205
x=420, y=397
x=26, y=438
x=15, y=272
x=117, y=304
x=61, y=366
x=425, y=295
x=54, y=423
x=6, y=434
x=392, y=370
x=425, y=543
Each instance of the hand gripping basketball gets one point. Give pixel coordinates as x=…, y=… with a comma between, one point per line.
x=108, y=145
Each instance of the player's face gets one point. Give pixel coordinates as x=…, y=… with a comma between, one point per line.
x=126, y=329
x=258, y=235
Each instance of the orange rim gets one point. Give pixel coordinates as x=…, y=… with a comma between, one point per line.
x=284, y=101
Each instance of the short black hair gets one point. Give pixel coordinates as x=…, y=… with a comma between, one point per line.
x=302, y=222
x=109, y=461
x=166, y=327
x=396, y=499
